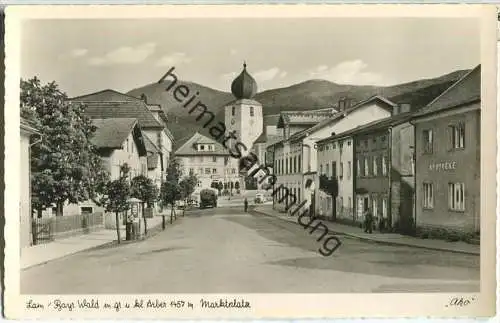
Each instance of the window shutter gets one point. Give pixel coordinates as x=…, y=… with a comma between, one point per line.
x=449, y=136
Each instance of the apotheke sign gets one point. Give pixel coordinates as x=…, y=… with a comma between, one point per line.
x=443, y=166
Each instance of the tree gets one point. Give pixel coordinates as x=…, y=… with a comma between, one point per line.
x=220, y=187
x=145, y=190
x=330, y=186
x=237, y=186
x=117, y=195
x=65, y=165
x=170, y=190
x=187, y=187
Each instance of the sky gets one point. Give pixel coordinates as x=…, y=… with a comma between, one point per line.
x=89, y=55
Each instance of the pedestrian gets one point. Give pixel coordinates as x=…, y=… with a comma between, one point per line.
x=368, y=221
x=246, y=204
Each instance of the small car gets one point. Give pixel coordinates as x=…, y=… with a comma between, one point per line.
x=259, y=198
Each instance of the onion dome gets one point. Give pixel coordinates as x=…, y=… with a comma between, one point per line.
x=244, y=86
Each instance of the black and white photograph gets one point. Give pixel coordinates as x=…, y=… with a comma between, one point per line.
x=239, y=154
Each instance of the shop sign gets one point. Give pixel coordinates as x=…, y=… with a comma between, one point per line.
x=443, y=166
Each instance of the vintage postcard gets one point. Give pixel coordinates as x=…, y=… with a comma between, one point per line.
x=236, y=162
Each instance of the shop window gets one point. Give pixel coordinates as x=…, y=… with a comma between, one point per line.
x=427, y=141
x=457, y=136
x=428, y=196
x=456, y=196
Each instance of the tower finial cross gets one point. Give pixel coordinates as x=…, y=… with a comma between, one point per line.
x=244, y=64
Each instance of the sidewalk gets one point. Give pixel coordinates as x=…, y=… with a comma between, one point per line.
x=383, y=238
x=39, y=254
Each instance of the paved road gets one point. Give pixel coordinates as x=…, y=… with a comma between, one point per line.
x=226, y=251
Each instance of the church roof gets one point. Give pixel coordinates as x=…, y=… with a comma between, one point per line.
x=189, y=148
x=244, y=85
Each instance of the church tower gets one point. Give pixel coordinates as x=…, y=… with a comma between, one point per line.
x=244, y=115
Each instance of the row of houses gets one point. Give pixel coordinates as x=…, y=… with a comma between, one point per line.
x=128, y=130
x=413, y=168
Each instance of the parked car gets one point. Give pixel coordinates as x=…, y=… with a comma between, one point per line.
x=259, y=198
x=208, y=197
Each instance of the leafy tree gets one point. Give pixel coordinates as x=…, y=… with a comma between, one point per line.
x=117, y=196
x=145, y=190
x=65, y=165
x=330, y=186
x=187, y=187
x=170, y=189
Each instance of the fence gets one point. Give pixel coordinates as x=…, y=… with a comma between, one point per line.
x=48, y=229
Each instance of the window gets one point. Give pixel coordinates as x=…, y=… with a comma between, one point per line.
x=348, y=142
x=200, y=170
x=202, y=147
x=334, y=169
x=334, y=145
x=321, y=169
x=456, y=196
x=233, y=111
x=367, y=167
x=374, y=206
x=427, y=141
x=349, y=170
x=327, y=169
x=233, y=170
x=300, y=166
x=298, y=195
x=214, y=159
x=384, y=207
x=384, y=165
x=428, y=196
x=214, y=170
x=349, y=203
x=191, y=171
x=286, y=166
x=295, y=164
x=251, y=111
x=341, y=170
x=358, y=168
x=375, y=166
x=86, y=209
x=457, y=136
x=207, y=170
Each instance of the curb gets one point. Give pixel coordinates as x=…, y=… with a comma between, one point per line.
x=389, y=243
x=151, y=233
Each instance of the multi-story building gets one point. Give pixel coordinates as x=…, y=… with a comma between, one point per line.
x=152, y=120
x=448, y=149
x=335, y=161
x=296, y=156
x=208, y=160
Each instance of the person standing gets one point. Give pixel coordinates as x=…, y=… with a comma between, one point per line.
x=246, y=204
x=368, y=221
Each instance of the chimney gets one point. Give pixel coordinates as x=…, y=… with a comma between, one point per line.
x=341, y=104
x=395, y=110
x=404, y=107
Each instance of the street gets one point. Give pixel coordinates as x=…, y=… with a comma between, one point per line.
x=224, y=250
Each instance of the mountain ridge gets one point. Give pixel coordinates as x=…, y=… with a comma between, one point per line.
x=307, y=95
